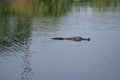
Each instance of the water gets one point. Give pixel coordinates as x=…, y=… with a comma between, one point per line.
x=28, y=53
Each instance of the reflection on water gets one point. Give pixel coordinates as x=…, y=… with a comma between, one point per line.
x=15, y=33
x=100, y=5
x=54, y=8
x=27, y=70
x=27, y=26
x=15, y=40
x=35, y=8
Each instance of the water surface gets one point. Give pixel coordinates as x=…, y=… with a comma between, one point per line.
x=28, y=53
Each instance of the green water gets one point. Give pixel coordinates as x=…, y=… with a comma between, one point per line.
x=28, y=53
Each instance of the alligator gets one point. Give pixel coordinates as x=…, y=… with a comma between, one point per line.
x=77, y=38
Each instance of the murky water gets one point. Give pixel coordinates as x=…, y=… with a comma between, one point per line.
x=28, y=53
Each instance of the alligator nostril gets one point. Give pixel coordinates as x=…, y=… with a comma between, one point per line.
x=88, y=39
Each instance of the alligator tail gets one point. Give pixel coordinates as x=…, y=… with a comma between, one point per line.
x=58, y=38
